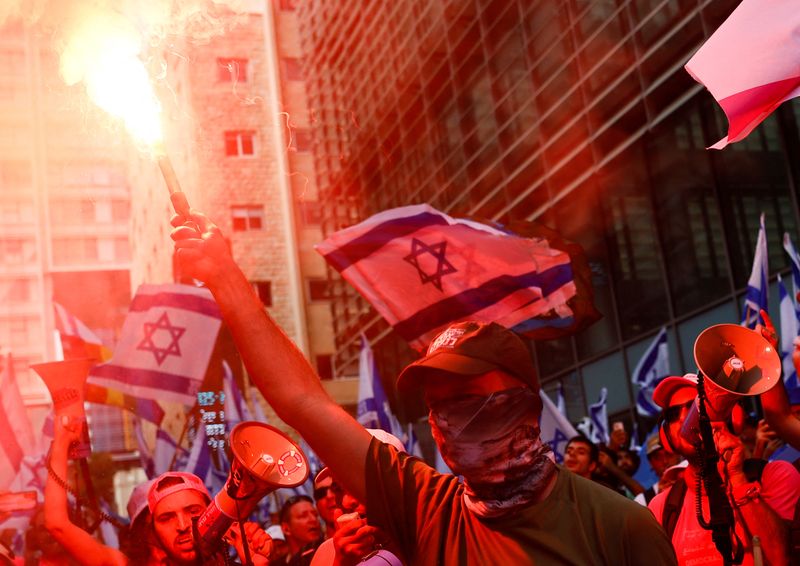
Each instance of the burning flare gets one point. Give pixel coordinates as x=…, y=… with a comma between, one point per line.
x=103, y=50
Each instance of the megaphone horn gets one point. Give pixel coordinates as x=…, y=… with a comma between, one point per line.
x=737, y=362
x=66, y=381
x=264, y=459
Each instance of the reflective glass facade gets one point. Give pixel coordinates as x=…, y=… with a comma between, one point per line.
x=577, y=114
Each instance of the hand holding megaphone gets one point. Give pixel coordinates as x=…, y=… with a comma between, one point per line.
x=264, y=459
x=258, y=541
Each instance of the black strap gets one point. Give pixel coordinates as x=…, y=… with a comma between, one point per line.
x=673, y=506
x=649, y=494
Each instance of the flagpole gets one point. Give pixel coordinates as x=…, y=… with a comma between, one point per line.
x=180, y=440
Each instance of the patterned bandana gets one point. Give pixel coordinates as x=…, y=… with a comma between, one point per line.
x=493, y=442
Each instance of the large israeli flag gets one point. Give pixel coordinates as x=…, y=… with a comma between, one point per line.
x=756, y=297
x=653, y=366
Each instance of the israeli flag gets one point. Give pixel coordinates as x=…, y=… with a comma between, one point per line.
x=373, y=406
x=756, y=297
x=598, y=415
x=561, y=404
x=789, y=332
x=653, y=366
x=554, y=428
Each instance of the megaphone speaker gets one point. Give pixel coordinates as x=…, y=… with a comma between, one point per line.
x=737, y=362
x=263, y=460
x=66, y=381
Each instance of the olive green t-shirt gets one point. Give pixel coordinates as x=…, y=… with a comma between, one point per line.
x=579, y=523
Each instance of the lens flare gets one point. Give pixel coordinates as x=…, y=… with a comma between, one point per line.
x=103, y=51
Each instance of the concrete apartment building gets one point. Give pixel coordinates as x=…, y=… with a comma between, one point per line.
x=237, y=131
x=64, y=208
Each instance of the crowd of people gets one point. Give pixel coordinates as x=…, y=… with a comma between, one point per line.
x=506, y=502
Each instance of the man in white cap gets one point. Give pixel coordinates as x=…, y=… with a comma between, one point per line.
x=515, y=505
x=760, y=506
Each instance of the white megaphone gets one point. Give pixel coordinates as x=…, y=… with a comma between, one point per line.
x=736, y=362
x=66, y=381
x=264, y=459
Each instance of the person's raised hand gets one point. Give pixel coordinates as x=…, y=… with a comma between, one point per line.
x=731, y=454
x=201, y=250
x=353, y=540
x=767, y=330
x=258, y=541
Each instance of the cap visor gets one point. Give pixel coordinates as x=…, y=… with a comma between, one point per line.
x=667, y=387
x=413, y=376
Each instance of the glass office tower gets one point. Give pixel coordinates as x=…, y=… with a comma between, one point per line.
x=574, y=113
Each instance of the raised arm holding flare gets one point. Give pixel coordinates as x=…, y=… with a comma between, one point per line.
x=278, y=369
x=515, y=506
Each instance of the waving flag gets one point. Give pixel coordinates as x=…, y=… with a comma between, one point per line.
x=789, y=333
x=18, y=437
x=77, y=339
x=598, y=417
x=554, y=427
x=751, y=64
x=561, y=404
x=423, y=270
x=166, y=343
x=653, y=366
x=756, y=297
x=373, y=407
x=235, y=405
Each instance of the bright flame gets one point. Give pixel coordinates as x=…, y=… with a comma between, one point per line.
x=103, y=52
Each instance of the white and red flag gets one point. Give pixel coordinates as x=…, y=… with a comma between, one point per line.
x=17, y=439
x=423, y=270
x=165, y=345
x=751, y=64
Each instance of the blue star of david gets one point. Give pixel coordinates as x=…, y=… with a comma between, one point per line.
x=443, y=267
x=558, y=438
x=162, y=324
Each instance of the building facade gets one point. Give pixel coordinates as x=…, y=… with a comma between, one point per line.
x=576, y=114
x=64, y=210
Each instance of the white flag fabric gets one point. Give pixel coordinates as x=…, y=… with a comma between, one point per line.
x=554, y=427
x=18, y=438
x=751, y=64
x=165, y=345
x=789, y=332
x=756, y=297
x=652, y=367
x=598, y=415
x=561, y=403
x=373, y=409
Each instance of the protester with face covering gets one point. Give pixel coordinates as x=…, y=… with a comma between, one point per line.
x=515, y=506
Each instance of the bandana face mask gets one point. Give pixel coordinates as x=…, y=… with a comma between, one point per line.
x=493, y=442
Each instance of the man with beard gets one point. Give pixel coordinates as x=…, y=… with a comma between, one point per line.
x=161, y=514
x=515, y=505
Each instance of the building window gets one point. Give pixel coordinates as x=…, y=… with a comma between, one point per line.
x=264, y=291
x=318, y=290
x=325, y=366
x=231, y=70
x=292, y=69
x=16, y=290
x=301, y=140
x=240, y=142
x=247, y=217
